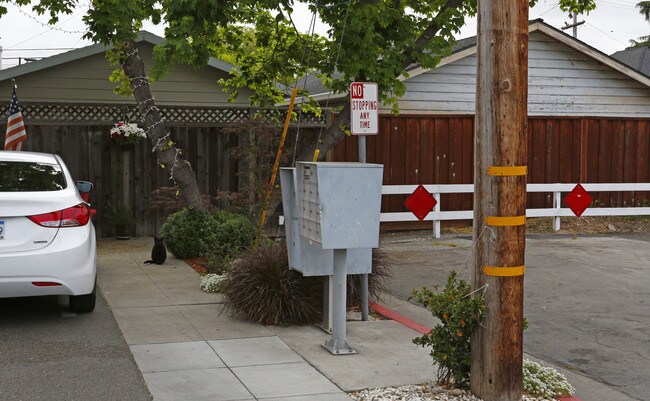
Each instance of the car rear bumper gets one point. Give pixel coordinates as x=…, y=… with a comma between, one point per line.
x=69, y=262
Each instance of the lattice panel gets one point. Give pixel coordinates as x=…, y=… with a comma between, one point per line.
x=80, y=114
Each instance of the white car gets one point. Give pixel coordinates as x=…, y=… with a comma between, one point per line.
x=47, y=238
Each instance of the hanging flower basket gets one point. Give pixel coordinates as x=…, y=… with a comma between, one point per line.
x=127, y=135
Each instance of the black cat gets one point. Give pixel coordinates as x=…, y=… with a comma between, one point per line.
x=158, y=252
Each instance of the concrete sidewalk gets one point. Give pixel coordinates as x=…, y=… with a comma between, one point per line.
x=188, y=349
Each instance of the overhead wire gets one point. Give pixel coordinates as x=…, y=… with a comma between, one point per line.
x=550, y=9
x=336, y=62
x=606, y=34
x=50, y=27
x=312, y=29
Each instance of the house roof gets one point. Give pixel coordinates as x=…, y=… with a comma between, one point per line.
x=62, y=58
x=636, y=57
x=467, y=47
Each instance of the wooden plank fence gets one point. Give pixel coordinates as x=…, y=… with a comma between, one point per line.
x=91, y=156
x=440, y=150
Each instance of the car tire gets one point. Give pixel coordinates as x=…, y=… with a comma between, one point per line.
x=83, y=303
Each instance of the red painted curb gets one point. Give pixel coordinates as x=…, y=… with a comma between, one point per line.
x=392, y=315
x=387, y=313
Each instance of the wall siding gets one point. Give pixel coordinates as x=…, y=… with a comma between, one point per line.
x=85, y=80
x=562, y=82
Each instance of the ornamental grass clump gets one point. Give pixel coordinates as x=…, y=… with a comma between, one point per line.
x=262, y=288
x=459, y=313
x=540, y=380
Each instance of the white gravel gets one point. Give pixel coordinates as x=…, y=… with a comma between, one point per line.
x=422, y=392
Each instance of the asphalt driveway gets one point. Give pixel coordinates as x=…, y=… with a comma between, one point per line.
x=49, y=353
x=586, y=298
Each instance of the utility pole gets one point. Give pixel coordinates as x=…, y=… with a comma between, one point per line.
x=575, y=25
x=500, y=197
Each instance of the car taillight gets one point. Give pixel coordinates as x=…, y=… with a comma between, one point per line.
x=74, y=216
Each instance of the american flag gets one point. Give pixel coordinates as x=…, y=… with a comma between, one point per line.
x=16, y=133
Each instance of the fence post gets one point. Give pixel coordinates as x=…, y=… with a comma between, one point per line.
x=557, y=199
x=436, y=222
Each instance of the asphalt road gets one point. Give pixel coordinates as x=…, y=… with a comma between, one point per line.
x=52, y=354
x=587, y=299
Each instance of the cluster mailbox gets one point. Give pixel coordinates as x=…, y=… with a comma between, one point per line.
x=332, y=223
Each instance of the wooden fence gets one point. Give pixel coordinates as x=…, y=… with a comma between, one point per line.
x=440, y=150
x=90, y=155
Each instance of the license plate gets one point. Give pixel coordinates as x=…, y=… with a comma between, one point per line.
x=2, y=229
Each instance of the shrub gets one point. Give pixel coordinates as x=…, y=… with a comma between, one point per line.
x=190, y=233
x=540, y=380
x=459, y=314
x=186, y=233
x=261, y=286
x=235, y=233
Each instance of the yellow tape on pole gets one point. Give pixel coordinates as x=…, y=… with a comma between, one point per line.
x=504, y=271
x=316, y=153
x=505, y=221
x=276, y=165
x=507, y=171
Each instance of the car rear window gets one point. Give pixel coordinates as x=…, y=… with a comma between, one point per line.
x=30, y=176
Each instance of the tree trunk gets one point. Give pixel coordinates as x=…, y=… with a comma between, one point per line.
x=331, y=137
x=500, y=197
x=169, y=156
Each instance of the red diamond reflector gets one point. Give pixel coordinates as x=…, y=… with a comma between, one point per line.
x=420, y=202
x=578, y=200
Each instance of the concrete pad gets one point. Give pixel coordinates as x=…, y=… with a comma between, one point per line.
x=284, y=380
x=134, y=295
x=313, y=397
x=188, y=293
x=213, y=324
x=254, y=351
x=170, y=274
x=155, y=325
x=196, y=385
x=120, y=260
x=117, y=275
x=386, y=355
x=175, y=356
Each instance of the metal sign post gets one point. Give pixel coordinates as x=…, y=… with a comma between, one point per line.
x=364, y=119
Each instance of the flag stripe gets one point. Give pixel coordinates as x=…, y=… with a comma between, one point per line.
x=15, y=119
x=16, y=132
x=12, y=136
x=20, y=128
x=12, y=140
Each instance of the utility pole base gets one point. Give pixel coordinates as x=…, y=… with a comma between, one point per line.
x=338, y=347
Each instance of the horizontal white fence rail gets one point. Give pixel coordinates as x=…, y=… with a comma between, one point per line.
x=437, y=215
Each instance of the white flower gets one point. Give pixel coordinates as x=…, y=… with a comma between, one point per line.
x=127, y=133
x=212, y=282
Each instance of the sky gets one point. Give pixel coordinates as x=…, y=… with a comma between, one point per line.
x=24, y=34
